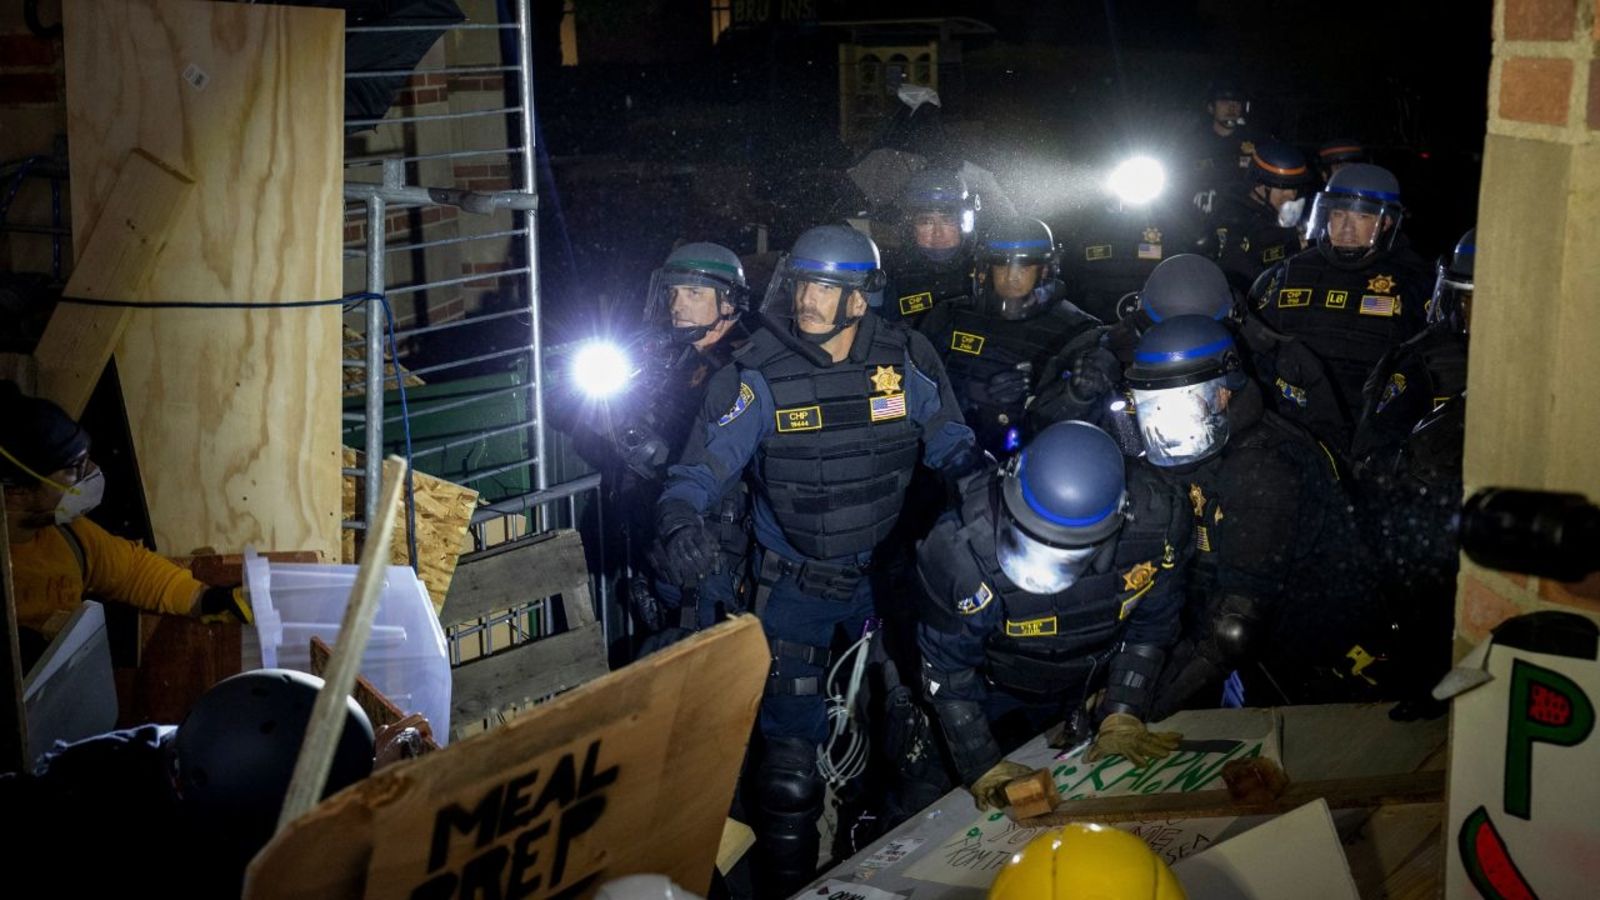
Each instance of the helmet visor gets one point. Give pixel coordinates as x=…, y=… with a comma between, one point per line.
x=1182, y=425
x=1452, y=300
x=1038, y=567
x=1353, y=224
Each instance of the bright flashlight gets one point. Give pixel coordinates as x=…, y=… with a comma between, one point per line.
x=1138, y=180
x=600, y=369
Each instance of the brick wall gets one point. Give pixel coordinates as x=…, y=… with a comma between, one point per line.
x=1532, y=416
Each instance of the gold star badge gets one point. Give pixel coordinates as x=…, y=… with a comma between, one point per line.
x=1138, y=577
x=1380, y=284
x=1247, y=147
x=886, y=379
x=1152, y=235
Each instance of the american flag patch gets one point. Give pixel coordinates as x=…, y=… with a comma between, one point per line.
x=890, y=407
x=1377, y=305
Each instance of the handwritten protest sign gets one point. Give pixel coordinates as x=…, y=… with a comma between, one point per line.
x=973, y=856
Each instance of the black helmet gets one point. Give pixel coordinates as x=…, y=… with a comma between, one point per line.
x=945, y=193
x=40, y=438
x=828, y=254
x=1022, y=242
x=697, y=265
x=1362, y=190
x=1186, y=285
x=237, y=748
x=1452, y=285
x=1179, y=371
x=1063, y=497
x=1226, y=88
x=1340, y=152
x=1280, y=165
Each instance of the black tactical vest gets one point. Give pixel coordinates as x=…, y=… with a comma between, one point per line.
x=917, y=285
x=1349, y=319
x=977, y=346
x=1050, y=642
x=836, y=470
x=1252, y=241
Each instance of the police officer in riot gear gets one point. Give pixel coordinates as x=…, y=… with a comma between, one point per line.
x=1060, y=576
x=995, y=343
x=1222, y=144
x=1261, y=228
x=1356, y=293
x=939, y=222
x=1280, y=576
x=1085, y=378
x=826, y=407
x=1110, y=248
x=1407, y=456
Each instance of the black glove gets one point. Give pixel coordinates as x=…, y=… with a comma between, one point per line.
x=1006, y=388
x=693, y=553
x=1095, y=373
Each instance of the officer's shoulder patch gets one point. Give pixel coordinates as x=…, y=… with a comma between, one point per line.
x=976, y=603
x=740, y=404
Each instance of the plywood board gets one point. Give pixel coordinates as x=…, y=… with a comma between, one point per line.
x=121, y=253
x=234, y=413
x=629, y=774
x=443, y=513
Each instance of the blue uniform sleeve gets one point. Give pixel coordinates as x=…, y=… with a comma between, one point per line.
x=946, y=439
x=951, y=639
x=735, y=419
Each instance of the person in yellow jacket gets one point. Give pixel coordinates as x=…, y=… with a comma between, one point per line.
x=57, y=556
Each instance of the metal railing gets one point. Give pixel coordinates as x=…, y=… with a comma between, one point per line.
x=541, y=506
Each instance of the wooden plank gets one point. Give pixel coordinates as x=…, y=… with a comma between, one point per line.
x=234, y=414
x=639, y=768
x=525, y=673
x=119, y=256
x=13, y=718
x=328, y=713
x=1341, y=793
x=443, y=512
x=517, y=573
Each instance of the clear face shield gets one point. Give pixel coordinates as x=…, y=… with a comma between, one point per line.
x=1183, y=425
x=1038, y=567
x=686, y=304
x=940, y=232
x=813, y=306
x=1353, y=228
x=1452, y=301
x=1013, y=287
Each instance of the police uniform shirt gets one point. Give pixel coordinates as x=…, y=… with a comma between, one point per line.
x=1251, y=241
x=740, y=416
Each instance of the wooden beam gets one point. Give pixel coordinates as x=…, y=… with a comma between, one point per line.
x=1341, y=793
x=13, y=716
x=517, y=573
x=118, y=259
x=524, y=673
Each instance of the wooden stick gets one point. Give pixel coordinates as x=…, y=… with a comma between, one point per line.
x=1341, y=793
x=328, y=714
x=14, y=718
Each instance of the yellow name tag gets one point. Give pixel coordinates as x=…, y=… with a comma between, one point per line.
x=1272, y=254
x=1098, y=251
x=915, y=303
x=963, y=342
x=1044, y=627
x=1289, y=297
x=806, y=418
x=1336, y=299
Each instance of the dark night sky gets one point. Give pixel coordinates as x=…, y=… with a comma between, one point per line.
x=746, y=131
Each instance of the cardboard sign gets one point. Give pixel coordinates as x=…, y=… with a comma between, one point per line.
x=1524, y=751
x=632, y=773
x=1252, y=866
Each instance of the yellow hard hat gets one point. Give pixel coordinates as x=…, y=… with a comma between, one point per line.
x=1086, y=862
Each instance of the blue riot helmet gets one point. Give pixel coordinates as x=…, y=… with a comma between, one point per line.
x=1063, y=497
x=1275, y=168
x=1017, y=265
x=698, y=265
x=1357, y=216
x=1452, y=285
x=1184, y=370
x=932, y=203
x=1187, y=285
x=829, y=255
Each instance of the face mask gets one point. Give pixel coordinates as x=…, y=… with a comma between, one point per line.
x=1289, y=212
x=81, y=497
